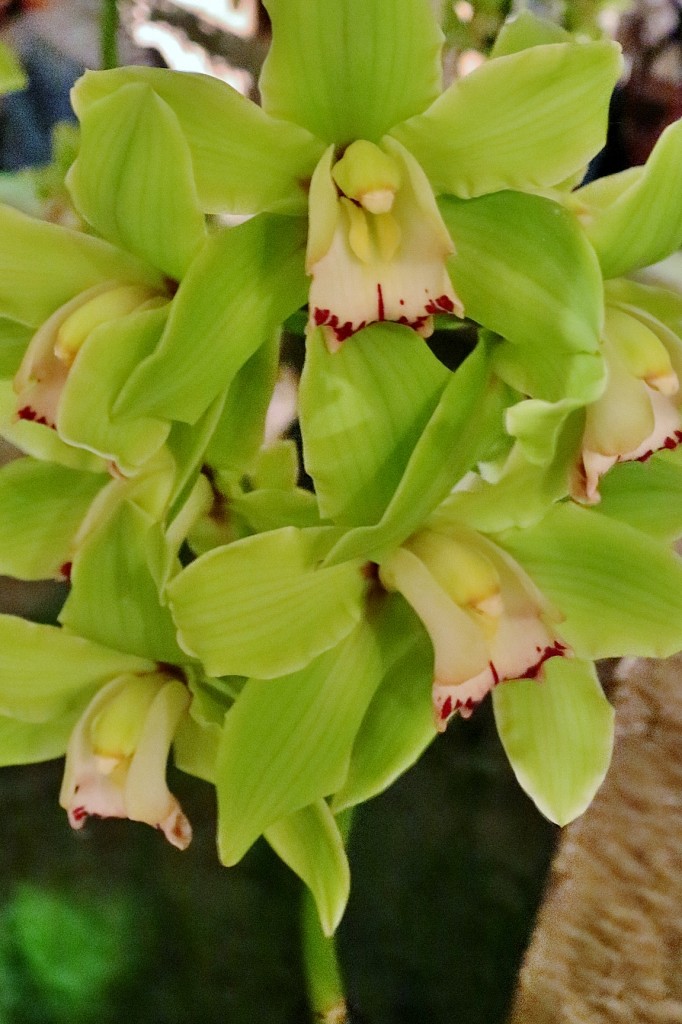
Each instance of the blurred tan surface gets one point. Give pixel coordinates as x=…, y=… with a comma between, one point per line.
x=608, y=943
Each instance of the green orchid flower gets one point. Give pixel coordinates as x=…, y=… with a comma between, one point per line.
x=113, y=713
x=634, y=219
x=354, y=130
x=86, y=310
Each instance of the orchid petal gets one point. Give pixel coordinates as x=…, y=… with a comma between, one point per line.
x=549, y=310
x=383, y=385
x=244, y=161
x=245, y=282
x=260, y=607
x=399, y=724
x=115, y=184
x=306, y=722
x=449, y=447
x=114, y=599
x=644, y=224
x=40, y=441
x=528, y=120
x=619, y=590
x=41, y=508
x=45, y=670
x=240, y=430
x=352, y=70
x=646, y=495
x=14, y=339
x=310, y=843
x=47, y=265
x=524, y=30
x=558, y=736
x=31, y=742
x=101, y=368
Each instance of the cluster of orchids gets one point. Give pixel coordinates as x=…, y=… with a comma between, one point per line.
x=298, y=621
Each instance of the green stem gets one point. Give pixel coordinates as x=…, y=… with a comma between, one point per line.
x=108, y=34
x=325, y=987
x=323, y=974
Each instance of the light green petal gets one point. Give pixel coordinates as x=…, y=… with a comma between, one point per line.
x=14, y=339
x=244, y=161
x=31, y=742
x=187, y=446
x=38, y=440
x=399, y=722
x=310, y=842
x=287, y=742
x=270, y=509
x=195, y=749
x=43, y=266
x=133, y=179
x=246, y=281
x=103, y=365
x=362, y=411
x=239, y=433
x=12, y=75
x=646, y=495
x=558, y=736
x=524, y=269
x=260, y=607
x=114, y=599
x=468, y=415
x=350, y=70
x=619, y=590
x=41, y=507
x=522, y=493
x=525, y=30
x=644, y=225
x=43, y=669
x=526, y=121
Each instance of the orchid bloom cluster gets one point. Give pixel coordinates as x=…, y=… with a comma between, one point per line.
x=493, y=524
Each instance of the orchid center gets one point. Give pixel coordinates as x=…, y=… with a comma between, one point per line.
x=377, y=244
x=117, y=754
x=487, y=621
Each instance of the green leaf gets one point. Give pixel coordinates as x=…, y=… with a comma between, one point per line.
x=43, y=669
x=47, y=265
x=399, y=722
x=646, y=495
x=619, y=590
x=14, y=339
x=244, y=161
x=525, y=30
x=350, y=70
x=526, y=121
x=260, y=607
x=42, y=506
x=382, y=387
x=104, y=363
x=133, y=179
x=12, y=75
x=467, y=415
x=114, y=599
x=245, y=282
x=287, y=742
x=644, y=224
x=558, y=736
x=310, y=843
x=524, y=269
